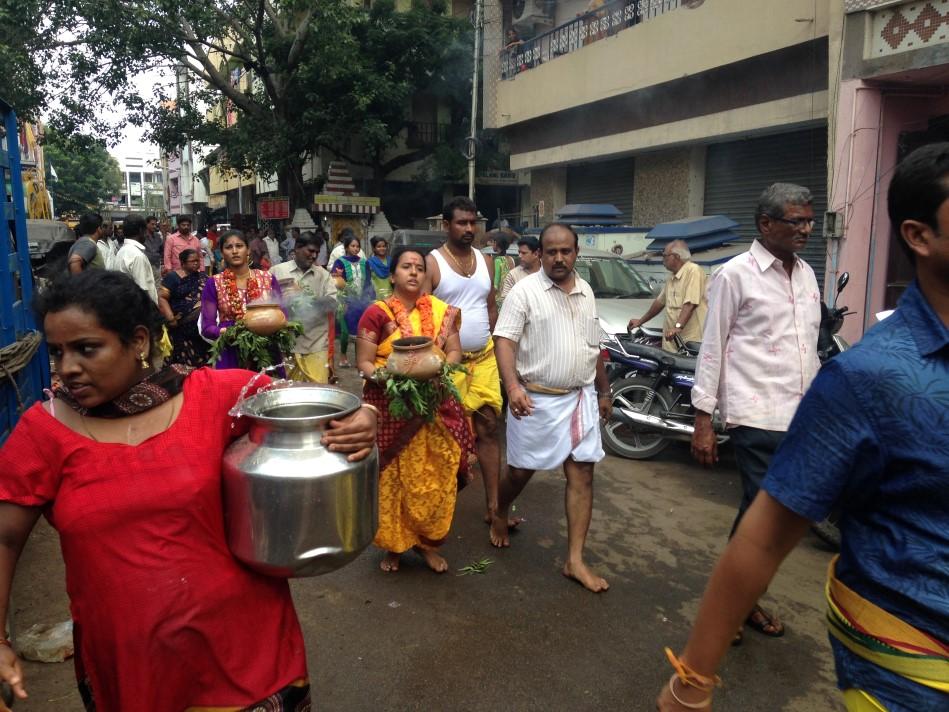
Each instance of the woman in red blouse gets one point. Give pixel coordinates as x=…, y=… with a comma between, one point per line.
x=125, y=463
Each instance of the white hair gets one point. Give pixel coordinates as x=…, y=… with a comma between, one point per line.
x=680, y=248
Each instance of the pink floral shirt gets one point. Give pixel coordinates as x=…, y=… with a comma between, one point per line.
x=759, y=347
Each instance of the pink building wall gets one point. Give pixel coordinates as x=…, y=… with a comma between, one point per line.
x=869, y=121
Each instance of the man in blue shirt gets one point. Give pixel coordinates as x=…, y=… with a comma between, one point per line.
x=870, y=439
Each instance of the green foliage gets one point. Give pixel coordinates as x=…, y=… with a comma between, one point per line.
x=254, y=351
x=87, y=175
x=325, y=71
x=475, y=567
x=410, y=397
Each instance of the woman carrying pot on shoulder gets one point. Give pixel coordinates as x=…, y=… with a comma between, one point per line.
x=226, y=295
x=163, y=614
x=420, y=462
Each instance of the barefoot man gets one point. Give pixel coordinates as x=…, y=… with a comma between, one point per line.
x=548, y=347
x=461, y=276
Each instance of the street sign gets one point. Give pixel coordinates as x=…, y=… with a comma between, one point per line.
x=273, y=208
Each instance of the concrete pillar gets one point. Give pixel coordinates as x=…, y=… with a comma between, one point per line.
x=548, y=185
x=669, y=185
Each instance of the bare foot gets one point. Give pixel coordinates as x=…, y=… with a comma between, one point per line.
x=512, y=522
x=500, y=531
x=586, y=578
x=390, y=563
x=435, y=561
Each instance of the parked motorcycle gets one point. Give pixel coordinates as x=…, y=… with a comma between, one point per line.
x=652, y=388
x=652, y=394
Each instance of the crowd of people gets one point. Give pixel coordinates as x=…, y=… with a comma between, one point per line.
x=112, y=461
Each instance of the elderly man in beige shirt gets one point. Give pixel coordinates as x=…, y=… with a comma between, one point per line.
x=683, y=298
x=547, y=340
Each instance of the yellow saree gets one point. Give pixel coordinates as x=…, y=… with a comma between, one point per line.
x=419, y=461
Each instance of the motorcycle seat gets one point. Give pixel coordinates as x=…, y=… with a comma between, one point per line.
x=681, y=363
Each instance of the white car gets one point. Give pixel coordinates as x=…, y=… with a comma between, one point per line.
x=621, y=292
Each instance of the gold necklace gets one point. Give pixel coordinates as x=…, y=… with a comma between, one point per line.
x=464, y=271
x=85, y=425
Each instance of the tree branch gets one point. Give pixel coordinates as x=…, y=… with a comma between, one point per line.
x=213, y=76
x=273, y=90
x=299, y=38
x=277, y=21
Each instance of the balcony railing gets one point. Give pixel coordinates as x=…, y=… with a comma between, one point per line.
x=605, y=21
x=421, y=134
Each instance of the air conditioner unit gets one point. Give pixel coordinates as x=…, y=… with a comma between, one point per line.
x=531, y=15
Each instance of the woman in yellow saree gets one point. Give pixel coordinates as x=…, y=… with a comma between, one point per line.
x=421, y=462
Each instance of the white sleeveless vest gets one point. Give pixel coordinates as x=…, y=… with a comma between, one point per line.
x=470, y=295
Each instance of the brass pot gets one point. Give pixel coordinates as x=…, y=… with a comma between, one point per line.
x=264, y=319
x=416, y=357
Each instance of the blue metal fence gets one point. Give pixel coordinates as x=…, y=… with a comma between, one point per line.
x=20, y=385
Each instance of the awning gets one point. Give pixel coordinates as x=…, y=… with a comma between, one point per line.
x=346, y=204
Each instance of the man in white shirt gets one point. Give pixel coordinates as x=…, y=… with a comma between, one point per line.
x=759, y=347
x=273, y=247
x=310, y=295
x=131, y=258
x=548, y=349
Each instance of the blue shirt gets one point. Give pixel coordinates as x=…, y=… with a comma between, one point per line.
x=871, y=439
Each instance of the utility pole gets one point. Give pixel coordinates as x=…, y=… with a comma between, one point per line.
x=473, y=138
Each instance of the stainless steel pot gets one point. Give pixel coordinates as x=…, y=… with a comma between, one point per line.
x=293, y=508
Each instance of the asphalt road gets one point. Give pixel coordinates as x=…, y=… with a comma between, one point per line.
x=521, y=636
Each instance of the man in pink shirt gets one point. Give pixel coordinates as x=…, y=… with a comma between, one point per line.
x=179, y=241
x=759, y=347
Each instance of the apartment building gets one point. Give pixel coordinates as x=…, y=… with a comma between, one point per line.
x=666, y=108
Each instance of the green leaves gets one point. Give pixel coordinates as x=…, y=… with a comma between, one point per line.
x=475, y=567
x=87, y=175
x=409, y=398
x=254, y=351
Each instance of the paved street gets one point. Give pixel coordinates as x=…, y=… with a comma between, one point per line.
x=520, y=636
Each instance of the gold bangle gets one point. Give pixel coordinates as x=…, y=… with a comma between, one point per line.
x=690, y=705
x=688, y=676
x=6, y=642
x=371, y=407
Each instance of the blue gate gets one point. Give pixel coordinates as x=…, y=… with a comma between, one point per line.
x=24, y=362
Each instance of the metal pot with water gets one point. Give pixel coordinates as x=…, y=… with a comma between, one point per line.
x=293, y=508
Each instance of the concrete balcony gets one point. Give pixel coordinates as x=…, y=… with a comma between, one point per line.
x=615, y=51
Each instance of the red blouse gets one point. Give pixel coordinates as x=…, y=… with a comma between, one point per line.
x=169, y=618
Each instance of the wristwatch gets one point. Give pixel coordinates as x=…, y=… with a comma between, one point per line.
x=678, y=325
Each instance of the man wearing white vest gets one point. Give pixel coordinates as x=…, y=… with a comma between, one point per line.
x=458, y=274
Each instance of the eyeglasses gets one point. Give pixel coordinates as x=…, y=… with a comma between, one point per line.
x=797, y=223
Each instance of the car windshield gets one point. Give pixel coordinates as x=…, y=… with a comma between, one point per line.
x=612, y=278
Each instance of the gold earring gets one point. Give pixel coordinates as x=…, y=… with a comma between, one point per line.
x=144, y=361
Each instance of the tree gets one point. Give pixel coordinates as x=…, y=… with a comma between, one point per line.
x=87, y=176
x=328, y=74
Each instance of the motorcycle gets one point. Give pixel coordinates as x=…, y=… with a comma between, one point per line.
x=652, y=388
x=652, y=394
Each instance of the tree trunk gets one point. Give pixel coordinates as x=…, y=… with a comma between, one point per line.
x=290, y=184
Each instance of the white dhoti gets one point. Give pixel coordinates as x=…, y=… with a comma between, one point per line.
x=561, y=426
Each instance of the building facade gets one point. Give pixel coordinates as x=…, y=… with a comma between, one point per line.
x=667, y=109
x=890, y=99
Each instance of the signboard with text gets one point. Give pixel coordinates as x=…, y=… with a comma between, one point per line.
x=273, y=208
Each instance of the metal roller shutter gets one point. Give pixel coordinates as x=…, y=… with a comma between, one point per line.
x=603, y=182
x=737, y=172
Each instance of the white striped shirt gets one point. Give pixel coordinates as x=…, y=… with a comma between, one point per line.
x=557, y=334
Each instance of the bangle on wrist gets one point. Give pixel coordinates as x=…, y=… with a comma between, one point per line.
x=604, y=394
x=7, y=642
x=371, y=407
